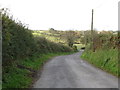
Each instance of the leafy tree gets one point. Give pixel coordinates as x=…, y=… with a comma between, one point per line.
x=70, y=37
x=52, y=30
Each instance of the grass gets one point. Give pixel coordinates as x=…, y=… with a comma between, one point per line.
x=104, y=59
x=16, y=77
x=38, y=60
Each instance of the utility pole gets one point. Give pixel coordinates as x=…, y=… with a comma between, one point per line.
x=92, y=32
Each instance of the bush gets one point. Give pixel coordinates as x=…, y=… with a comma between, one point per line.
x=46, y=46
x=75, y=48
x=18, y=42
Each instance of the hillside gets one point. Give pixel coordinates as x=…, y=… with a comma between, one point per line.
x=58, y=36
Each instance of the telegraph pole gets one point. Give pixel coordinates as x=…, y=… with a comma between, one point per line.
x=92, y=32
x=92, y=21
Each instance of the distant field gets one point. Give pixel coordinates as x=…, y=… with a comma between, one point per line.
x=55, y=37
x=79, y=46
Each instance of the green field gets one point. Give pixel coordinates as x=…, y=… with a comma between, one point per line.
x=79, y=46
x=54, y=37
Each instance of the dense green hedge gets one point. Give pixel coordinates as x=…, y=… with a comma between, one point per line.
x=18, y=42
x=46, y=46
x=103, y=51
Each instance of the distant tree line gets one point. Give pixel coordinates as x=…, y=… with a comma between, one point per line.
x=102, y=39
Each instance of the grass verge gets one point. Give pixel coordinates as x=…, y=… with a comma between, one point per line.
x=104, y=59
x=21, y=73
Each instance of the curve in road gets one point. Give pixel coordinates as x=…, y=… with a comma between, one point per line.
x=70, y=71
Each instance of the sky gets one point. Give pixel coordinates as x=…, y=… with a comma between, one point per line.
x=64, y=14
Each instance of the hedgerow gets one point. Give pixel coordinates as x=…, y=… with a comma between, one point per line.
x=18, y=41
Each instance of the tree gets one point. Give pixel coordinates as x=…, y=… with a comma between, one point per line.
x=52, y=30
x=70, y=37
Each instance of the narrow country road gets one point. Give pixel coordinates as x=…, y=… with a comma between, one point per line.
x=70, y=71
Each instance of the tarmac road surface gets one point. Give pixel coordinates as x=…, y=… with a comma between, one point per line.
x=70, y=71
